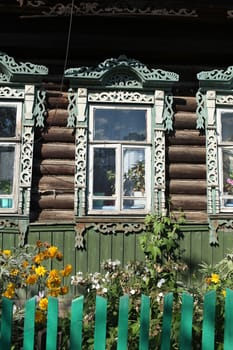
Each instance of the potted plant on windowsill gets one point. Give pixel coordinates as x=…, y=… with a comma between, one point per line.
x=135, y=176
x=229, y=189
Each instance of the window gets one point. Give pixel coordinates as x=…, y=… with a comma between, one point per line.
x=225, y=154
x=119, y=159
x=10, y=128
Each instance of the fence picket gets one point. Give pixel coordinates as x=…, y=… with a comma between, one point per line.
x=185, y=336
x=100, y=327
x=122, y=339
x=228, y=329
x=6, y=324
x=144, y=323
x=208, y=327
x=29, y=324
x=167, y=322
x=100, y=323
x=76, y=323
x=52, y=324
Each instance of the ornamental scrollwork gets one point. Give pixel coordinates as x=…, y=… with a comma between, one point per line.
x=39, y=111
x=144, y=74
x=168, y=113
x=224, y=100
x=81, y=149
x=211, y=152
x=217, y=74
x=96, y=8
x=106, y=228
x=159, y=171
x=12, y=67
x=200, y=111
x=8, y=92
x=26, y=157
x=72, y=109
x=122, y=80
x=120, y=96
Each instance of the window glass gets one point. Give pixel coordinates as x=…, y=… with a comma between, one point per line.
x=7, y=121
x=225, y=152
x=10, y=120
x=120, y=124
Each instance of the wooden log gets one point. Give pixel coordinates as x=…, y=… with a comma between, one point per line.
x=185, y=120
x=54, y=167
x=188, y=202
x=186, y=171
x=200, y=217
x=60, y=201
x=50, y=215
x=187, y=187
x=58, y=134
x=57, y=99
x=57, y=117
x=55, y=183
x=184, y=154
x=187, y=137
x=57, y=150
x=185, y=103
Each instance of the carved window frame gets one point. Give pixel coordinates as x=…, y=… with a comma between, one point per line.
x=19, y=85
x=215, y=94
x=118, y=146
x=119, y=81
x=13, y=142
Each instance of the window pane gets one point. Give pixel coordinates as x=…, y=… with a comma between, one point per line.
x=7, y=121
x=6, y=169
x=120, y=124
x=104, y=172
x=228, y=171
x=133, y=171
x=227, y=126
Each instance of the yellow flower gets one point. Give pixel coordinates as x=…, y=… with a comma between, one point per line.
x=7, y=252
x=43, y=304
x=67, y=270
x=53, y=273
x=64, y=290
x=54, y=292
x=39, y=258
x=40, y=317
x=52, y=251
x=25, y=263
x=14, y=272
x=215, y=278
x=31, y=279
x=40, y=270
x=10, y=291
x=59, y=256
x=224, y=293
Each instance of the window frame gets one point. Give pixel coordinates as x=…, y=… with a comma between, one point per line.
x=221, y=146
x=14, y=141
x=119, y=145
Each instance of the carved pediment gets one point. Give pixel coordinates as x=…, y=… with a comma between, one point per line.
x=120, y=72
x=11, y=71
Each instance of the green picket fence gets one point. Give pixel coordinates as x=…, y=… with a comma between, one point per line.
x=76, y=321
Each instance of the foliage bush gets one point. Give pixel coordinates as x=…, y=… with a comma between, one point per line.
x=30, y=271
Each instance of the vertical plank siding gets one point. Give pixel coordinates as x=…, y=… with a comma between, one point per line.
x=195, y=247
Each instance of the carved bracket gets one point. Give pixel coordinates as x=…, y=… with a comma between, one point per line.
x=106, y=228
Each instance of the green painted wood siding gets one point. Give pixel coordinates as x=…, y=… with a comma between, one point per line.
x=124, y=247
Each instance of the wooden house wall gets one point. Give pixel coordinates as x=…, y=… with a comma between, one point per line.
x=185, y=45
x=195, y=246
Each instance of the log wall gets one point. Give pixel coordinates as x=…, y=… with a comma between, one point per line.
x=54, y=163
x=186, y=163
